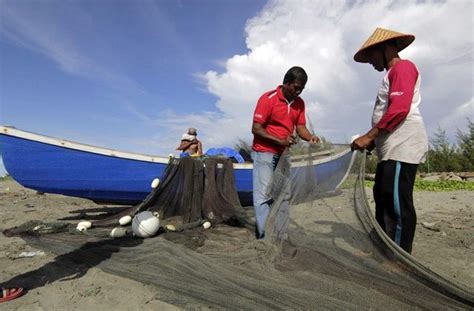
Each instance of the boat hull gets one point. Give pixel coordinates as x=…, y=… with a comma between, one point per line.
x=112, y=178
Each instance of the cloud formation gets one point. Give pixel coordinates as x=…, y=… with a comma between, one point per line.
x=322, y=37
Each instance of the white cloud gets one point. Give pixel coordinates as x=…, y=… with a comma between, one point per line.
x=322, y=37
x=456, y=119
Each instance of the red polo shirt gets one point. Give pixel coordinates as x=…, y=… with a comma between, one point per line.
x=278, y=117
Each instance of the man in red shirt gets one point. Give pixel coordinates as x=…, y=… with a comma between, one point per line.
x=278, y=114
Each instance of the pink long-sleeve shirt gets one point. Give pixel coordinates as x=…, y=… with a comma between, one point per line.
x=397, y=113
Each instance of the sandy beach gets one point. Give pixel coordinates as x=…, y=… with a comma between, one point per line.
x=443, y=241
x=94, y=290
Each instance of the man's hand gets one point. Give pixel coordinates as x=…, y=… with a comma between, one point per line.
x=305, y=134
x=366, y=141
x=362, y=143
x=290, y=140
x=371, y=146
x=314, y=139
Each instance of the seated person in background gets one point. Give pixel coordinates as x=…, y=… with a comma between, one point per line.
x=190, y=145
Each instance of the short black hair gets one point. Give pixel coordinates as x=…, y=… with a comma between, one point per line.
x=295, y=73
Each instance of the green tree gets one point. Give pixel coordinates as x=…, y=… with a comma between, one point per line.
x=442, y=156
x=371, y=162
x=466, y=147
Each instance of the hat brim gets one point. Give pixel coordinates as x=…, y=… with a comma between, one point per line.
x=401, y=42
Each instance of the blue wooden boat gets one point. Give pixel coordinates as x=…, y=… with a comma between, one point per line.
x=52, y=165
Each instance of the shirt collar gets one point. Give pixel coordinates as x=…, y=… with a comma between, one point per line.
x=282, y=97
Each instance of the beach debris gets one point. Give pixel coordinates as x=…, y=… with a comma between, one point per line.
x=85, y=224
x=206, y=225
x=145, y=224
x=30, y=254
x=125, y=220
x=431, y=226
x=370, y=177
x=170, y=227
x=45, y=228
x=432, y=178
x=118, y=232
x=451, y=176
x=81, y=228
x=91, y=292
x=155, y=183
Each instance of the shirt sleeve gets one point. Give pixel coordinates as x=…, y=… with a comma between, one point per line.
x=262, y=111
x=402, y=78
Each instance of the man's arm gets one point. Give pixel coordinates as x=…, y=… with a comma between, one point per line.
x=402, y=78
x=402, y=85
x=199, y=148
x=305, y=134
x=259, y=130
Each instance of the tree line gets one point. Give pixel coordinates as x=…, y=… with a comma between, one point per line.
x=443, y=156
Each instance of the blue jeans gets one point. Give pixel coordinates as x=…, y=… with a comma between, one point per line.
x=264, y=164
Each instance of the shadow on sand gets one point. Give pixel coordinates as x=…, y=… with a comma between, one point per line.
x=70, y=265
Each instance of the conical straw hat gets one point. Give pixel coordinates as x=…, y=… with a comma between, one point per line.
x=382, y=35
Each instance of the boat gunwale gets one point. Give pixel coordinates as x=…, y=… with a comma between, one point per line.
x=63, y=143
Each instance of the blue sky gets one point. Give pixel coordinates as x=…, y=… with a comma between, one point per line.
x=77, y=68
x=134, y=75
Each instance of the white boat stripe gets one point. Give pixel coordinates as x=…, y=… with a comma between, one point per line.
x=10, y=131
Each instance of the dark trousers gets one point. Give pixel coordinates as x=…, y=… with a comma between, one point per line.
x=393, y=194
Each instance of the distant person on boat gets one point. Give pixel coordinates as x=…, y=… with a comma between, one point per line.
x=278, y=114
x=190, y=145
x=398, y=134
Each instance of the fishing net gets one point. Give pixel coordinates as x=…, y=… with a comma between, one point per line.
x=343, y=260
x=191, y=191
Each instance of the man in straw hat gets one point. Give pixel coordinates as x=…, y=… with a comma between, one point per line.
x=398, y=134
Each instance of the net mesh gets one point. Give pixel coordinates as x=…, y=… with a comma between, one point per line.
x=191, y=191
x=343, y=261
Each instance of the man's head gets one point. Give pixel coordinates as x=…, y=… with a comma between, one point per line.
x=192, y=131
x=381, y=54
x=381, y=46
x=294, y=82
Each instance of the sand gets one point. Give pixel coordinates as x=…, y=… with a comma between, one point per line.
x=444, y=242
x=444, y=238
x=95, y=290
